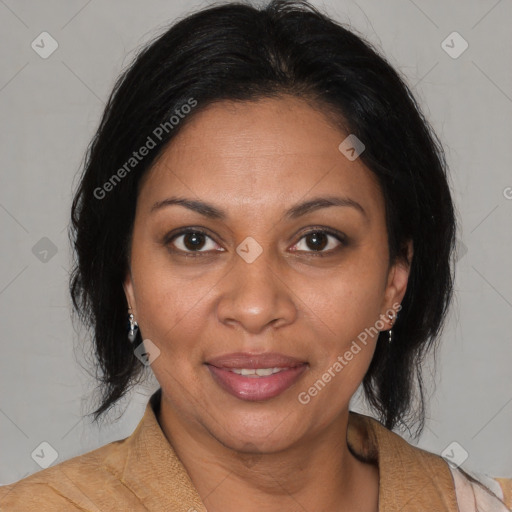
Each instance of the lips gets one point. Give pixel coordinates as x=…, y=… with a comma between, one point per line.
x=245, y=360
x=255, y=377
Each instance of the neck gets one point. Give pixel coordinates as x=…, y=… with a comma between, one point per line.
x=314, y=474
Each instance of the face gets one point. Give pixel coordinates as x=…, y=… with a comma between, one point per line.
x=218, y=288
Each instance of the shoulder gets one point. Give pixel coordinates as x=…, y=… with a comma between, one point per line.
x=482, y=490
x=506, y=489
x=33, y=495
x=70, y=485
x=433, y=483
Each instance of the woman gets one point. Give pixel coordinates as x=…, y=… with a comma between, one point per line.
x=267, y=210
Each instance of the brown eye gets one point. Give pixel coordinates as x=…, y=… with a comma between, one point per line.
x=320, y=242
x=316, y=241
x=192, y=240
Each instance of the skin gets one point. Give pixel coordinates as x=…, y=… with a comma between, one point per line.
x=255, y=160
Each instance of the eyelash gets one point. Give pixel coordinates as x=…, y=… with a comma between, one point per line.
x=340, y=237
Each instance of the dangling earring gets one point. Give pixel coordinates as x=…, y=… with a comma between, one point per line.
x=132, y=333
x=390, y=332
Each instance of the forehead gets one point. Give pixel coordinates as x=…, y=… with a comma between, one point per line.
x=270, y=152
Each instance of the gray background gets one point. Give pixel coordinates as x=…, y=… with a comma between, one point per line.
x=50, y=109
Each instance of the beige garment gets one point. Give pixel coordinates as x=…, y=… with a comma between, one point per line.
x=143, y=473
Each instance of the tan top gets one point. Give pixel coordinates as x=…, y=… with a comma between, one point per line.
x=143, y=473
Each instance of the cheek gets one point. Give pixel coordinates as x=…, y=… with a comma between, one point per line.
x=345, y=307
x=345, y=312
x=347, y=300
x=169, y=303
x=172, y=311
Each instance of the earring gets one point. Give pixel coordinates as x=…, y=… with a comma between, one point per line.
x=132, y=333
x=390, y=339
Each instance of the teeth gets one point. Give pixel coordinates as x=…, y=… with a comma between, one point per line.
x=256, y=372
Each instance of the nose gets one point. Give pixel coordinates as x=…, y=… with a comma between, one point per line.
x=255, y=295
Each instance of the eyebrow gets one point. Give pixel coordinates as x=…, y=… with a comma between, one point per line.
x=210, y=211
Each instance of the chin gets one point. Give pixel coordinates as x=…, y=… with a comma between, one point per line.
x=258, y=431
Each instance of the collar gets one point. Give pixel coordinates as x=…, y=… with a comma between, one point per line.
x=411, y=479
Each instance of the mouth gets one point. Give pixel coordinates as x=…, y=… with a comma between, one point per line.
x=255, y=377
x=255, y=373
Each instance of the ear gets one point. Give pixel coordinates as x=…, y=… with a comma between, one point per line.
x=398, y=276
x=129, y=292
